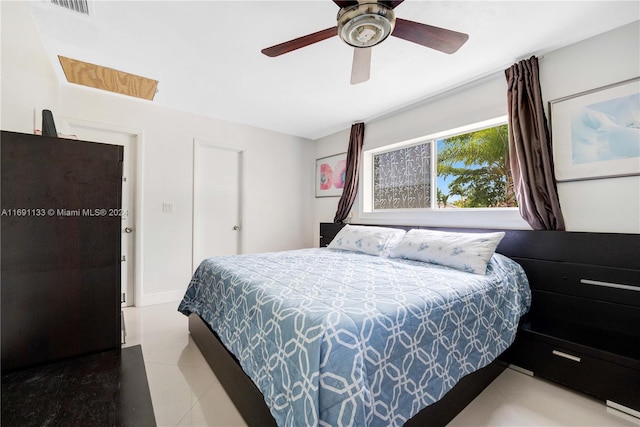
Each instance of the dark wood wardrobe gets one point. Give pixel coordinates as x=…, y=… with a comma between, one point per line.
x=60, y=259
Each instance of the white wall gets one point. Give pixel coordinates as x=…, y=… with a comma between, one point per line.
x=26, y=62
x=607, y=205
x=279, y=187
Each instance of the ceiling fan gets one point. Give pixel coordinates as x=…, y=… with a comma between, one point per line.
x=364, y=24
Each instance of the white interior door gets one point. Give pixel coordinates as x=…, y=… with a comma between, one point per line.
x=217, y=199
x=128, y=141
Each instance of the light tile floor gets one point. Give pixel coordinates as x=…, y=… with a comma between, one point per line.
x=185, y=392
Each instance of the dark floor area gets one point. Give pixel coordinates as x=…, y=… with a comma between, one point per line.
x=103, y=389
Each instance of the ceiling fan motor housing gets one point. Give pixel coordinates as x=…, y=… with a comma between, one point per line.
x=365, y=24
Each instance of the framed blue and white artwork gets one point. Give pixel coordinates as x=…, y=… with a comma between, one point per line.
x=596, y=134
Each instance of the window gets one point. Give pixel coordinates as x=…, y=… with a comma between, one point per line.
x=474, y=171
x=402, y=178
x=463, y=168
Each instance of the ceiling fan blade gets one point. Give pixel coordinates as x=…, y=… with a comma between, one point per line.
x=361, y=67
x=342, y=4
x=300, y=42
x=437, y=38
x=392, y=4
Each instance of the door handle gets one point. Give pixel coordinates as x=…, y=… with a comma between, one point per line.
x=236, y=227
x=128, y=230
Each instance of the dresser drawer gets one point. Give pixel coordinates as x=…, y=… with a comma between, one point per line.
x=566, y=365
x=549, y=309
x=602, y=283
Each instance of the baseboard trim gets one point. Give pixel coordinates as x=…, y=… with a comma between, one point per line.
x=160, y=298
x=625, y=409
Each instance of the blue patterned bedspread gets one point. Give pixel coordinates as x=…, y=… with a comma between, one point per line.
x=336, y=338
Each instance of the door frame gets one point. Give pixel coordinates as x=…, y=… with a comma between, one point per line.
x=200, y=142
x=139, y=188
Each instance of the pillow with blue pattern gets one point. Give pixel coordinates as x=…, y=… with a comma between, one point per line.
x=468, y=252
x=367, y=239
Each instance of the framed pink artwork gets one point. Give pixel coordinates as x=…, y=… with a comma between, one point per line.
x=330, y=173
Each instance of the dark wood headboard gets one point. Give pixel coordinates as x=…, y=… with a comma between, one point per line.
x=610, y=249
x=585, y=286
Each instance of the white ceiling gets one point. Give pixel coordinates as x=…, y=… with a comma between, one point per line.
x=206, y=54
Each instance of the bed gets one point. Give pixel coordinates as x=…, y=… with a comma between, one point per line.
x=355, y=336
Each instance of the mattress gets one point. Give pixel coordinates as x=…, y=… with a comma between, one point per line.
x=339, y=338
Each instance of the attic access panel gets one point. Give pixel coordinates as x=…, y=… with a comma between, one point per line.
x=99, y=77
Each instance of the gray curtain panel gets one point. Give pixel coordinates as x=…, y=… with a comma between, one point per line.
x=354, y=158
x=530, y=153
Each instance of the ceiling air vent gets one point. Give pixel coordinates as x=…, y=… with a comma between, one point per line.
x=80, y=6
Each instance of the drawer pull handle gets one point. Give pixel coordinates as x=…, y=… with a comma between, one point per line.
x=610, y=285
x=566, y=356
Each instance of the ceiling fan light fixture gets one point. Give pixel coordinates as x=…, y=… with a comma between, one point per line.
x=366, y=24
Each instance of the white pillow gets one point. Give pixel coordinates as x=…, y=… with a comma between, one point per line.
x=370, y=240
x=469, y=252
